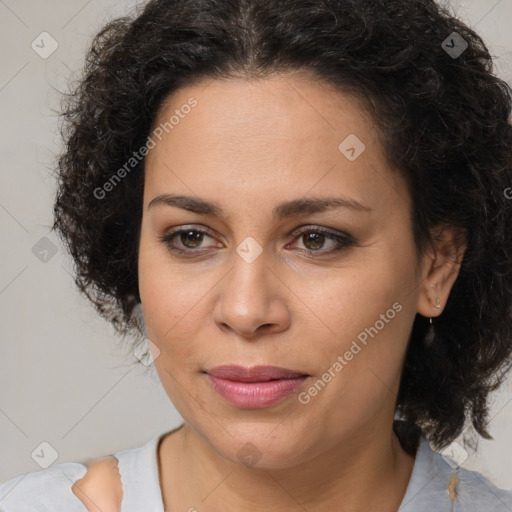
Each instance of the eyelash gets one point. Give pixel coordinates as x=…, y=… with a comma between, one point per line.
x=345, y=240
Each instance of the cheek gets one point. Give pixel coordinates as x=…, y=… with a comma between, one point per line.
x=166, y=299
x=368, y=311
x=176, y=300
x=354, y=299
x=165, y=292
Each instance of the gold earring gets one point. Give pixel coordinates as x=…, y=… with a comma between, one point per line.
x=438, y=303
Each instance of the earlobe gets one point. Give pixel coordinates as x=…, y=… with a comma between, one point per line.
x=441, y=268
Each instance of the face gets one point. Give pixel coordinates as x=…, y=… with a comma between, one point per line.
x=330, y=293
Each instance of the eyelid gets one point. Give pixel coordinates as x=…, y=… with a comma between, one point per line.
x=314, y=227
x=340, y=237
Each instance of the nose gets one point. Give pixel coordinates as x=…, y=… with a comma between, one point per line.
x=252, y=299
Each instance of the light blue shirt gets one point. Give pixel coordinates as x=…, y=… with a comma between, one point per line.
x=435, y=486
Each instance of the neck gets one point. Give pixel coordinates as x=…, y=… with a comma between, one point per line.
x=370, y=472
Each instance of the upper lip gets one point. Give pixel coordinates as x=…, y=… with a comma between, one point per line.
x=253, y=374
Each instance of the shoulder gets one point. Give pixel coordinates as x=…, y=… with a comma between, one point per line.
x=439, y=483
x=69, y=486
x=101, y=487
x=43, y=490
x=473, y=491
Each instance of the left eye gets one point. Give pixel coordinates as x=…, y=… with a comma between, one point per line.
x=313, y=239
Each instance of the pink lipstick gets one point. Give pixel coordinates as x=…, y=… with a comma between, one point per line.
x=256, y=387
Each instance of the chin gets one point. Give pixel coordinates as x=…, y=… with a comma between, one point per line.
x=265, y=445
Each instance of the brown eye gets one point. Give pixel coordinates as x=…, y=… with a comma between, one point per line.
x=315, y=238
x=191, y=238
x=186, y=241
x=313, y=241
x=189, y=241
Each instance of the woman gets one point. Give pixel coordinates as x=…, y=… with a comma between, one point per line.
x=305, y=202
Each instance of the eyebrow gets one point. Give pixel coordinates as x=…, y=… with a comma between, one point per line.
x=286, y=209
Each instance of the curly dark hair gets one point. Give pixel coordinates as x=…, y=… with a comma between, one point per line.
x=444, y=122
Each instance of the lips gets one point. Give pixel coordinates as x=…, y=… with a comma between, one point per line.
x=254, y=374
x=257, y=387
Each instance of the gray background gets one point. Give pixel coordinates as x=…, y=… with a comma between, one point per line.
x=62, y=379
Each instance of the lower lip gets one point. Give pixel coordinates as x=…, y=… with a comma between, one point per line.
x=255, y=395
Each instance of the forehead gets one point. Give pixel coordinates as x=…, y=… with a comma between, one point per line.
x=294, y=106
x=286, y=134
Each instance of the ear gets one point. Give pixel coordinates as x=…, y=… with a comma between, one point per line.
x=440, y=267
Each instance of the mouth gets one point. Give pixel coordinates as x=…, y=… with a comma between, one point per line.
x=256, y=387
x=255, y=374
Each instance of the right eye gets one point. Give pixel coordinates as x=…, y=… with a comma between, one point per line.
x=188, y=240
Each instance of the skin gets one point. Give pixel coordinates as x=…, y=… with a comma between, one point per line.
x=249, y=145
